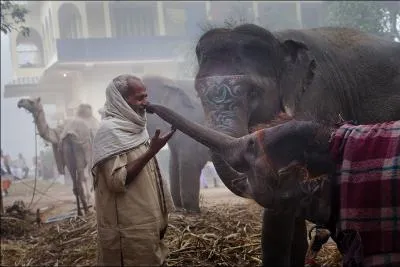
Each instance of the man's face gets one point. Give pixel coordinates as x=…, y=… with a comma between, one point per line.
x=137, y=99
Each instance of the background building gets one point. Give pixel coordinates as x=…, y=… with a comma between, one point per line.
x=76, y=47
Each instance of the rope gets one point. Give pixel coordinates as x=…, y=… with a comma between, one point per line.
x=44, y=194
x=36, y=168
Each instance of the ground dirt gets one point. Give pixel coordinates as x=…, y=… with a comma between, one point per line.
x=57, y=198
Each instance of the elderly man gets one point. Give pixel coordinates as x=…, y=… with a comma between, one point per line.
x=132, y=199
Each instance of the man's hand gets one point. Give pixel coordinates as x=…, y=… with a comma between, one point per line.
x=135, y=167
x=158, y=142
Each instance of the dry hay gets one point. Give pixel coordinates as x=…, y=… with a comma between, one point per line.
x=219, y=236
x=17, y=221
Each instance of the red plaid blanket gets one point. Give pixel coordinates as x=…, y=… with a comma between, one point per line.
x=369, y=182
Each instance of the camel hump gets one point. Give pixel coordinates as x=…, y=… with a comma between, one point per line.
x=78, y=128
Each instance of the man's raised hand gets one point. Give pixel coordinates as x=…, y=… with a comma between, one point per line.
x=158, y=142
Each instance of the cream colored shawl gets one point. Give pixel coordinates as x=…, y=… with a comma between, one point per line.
x=122, y=129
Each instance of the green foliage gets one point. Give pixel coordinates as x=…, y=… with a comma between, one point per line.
x=12, y=16
x=377, y=17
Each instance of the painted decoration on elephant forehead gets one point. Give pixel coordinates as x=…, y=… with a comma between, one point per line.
x=220, y=89
x=212, y=81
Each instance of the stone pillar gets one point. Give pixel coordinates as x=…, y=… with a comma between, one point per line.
x=107, y=18
x=298, y=14
x=255, y=12
x=161, y=20
x=85, y=30
x=208, y=10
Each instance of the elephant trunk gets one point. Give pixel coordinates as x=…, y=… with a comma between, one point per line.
x=212, y=139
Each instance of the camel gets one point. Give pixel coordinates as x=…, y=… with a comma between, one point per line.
x=71, y=143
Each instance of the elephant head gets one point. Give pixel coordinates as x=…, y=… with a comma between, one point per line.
x=269, y=157
x=242, y=74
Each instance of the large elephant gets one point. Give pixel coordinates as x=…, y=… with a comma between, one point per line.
x=187, y=156
x=247, y=75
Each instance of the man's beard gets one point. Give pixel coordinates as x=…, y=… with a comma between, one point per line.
x=140, y=110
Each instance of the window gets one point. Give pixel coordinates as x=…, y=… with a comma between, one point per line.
x=70, y=21
x=95, y=19
x=175, y=21
x=133, y=19
x=29, y=50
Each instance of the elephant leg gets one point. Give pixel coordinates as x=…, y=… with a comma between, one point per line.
x=86, y=189
x=299, y=243
x=86, y=186
x=76, y=193
x=276, y=239
x=80, y=181
x=175, y=180
x=190, y=185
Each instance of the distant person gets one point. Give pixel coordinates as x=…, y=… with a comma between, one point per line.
x=203, y=179
x=5, y=181
x=3, y=169
x=7, y=163
x=37, y=166
x=132, y=199
x=209, y=171
x=22, y=165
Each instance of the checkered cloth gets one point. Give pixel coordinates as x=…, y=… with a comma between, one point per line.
x=369, y=182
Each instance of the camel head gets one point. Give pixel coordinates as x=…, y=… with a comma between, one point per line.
x=32, y=105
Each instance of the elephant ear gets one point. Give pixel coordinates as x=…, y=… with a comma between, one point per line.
x=296, y=52
x=293, y=50
x=175, y=94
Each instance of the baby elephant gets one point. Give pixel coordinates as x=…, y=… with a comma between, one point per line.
x=343, y=176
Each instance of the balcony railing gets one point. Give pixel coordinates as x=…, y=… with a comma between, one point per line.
x=121, y=49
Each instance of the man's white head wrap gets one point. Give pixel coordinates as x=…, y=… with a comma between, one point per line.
x=121, y=129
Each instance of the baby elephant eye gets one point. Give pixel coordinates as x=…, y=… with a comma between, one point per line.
x=251, y=146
